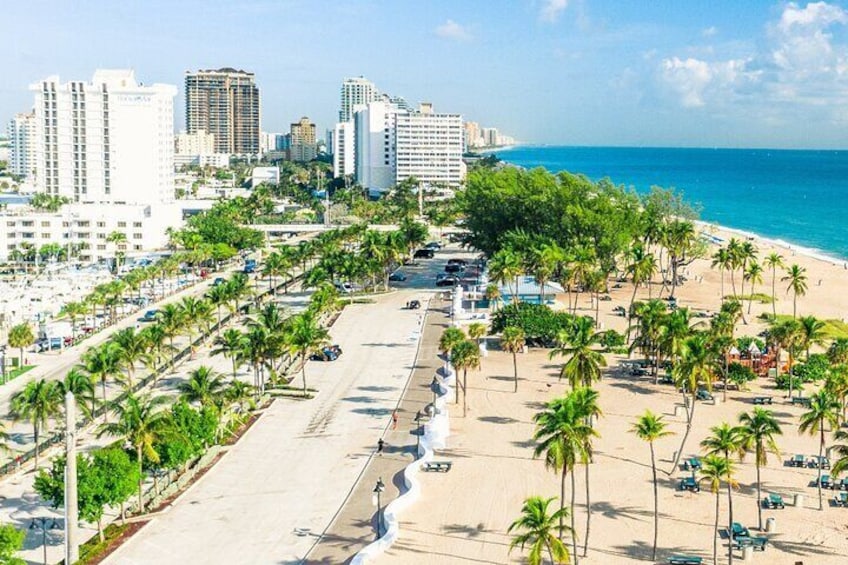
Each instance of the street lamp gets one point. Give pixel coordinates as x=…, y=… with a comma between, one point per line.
x=434, y=386
x=378, y=488
x=418, y=434
x=44, y=523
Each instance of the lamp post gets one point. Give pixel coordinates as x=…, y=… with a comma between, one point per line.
x=44, y=523
x=378, y=488
x=418, y=434
x=434, y=386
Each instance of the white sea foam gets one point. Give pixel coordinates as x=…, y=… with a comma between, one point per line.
x=776, y=242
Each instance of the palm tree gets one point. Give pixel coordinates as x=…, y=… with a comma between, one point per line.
x=650, y=427
x=747, y=255
x=823, y=409
x=172, y=319
x=465, y=355
x=724, y=262
x=80, y=384
x=100, y=363
x=218, y=296
x=734, y=252
x=641, y=267
x=131, y=347
x=512, y=341
x=562, y=433
x=696, y=368
x=304, y=337
x=837, y=353
x=773, y=261
x=797, y=278
x=753, y=273
x=504, y=268
x=537, y=528
x=715, y=470
x=782, y=335
x=724, y=440
x=192, y=316
x=812, y=333
x=583, y=366
x=586, y=405
x=155, y=337
x=652, y=317
x=37, y=402
x=230, y=344
x=141, y=422
x=841, y=463
x=477, y=331
x=74, y=310
x=21, y=336
x=757, y=432
x=203, y=385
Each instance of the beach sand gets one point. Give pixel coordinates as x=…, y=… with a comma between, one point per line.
x=463, y=515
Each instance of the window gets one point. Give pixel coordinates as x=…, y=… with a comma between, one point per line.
x=101, y=224
x=101, y=248
x=10, y=224
x=136, y=236
x=122, y=224
x=137, y=247
x=45, y=235
x=101, y=236
x=136, y=224
x=45, y=224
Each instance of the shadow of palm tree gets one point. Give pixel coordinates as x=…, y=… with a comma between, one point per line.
x=497, y=419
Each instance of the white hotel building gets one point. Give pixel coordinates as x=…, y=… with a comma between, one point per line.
x=394, y=144
x=108, y=146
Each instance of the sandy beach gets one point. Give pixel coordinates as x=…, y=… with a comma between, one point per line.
x=463, y=515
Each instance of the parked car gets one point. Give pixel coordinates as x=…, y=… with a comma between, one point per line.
x=329, y=353
x=454, y=268
x=249, y=268
x=447, y=280
x=413, y=305
x=434, y=245
x=462, y=262
x=218, y=281
x=149, y=316
x=347, y=287
x=424, y=254
x=397, y=276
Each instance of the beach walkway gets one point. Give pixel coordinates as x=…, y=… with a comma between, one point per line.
x=274, y=492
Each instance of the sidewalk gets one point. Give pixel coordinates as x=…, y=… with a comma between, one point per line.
x=355, y=526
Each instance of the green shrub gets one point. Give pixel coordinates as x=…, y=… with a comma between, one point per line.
x=816, y=368
x=740, y=375
x=540, y=324
x=611, y=339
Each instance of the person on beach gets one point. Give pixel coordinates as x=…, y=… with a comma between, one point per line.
x=394, y=420
x=380, y=444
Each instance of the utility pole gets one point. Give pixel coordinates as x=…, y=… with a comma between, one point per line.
x=71, y=508
x=420, y=199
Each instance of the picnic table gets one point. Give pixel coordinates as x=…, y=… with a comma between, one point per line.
x=758, y=542
x=841, y=499
x=690, y=484
x=703, y=394
x=685, y=560
x=437, y=466
x=826, y=482
x=815, y=462
x=797, y=460
x=774, y=501
x=762, y=400
x=841, y=485
x=738, y=530
x=800, y=400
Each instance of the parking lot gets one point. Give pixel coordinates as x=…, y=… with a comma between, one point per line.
x=422, y=273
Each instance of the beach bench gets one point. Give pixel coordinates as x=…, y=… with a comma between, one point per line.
x=758, y=542
x=841, y=485
x=689, y=483
x=762, y=400
x=826, y=482
x=704, y=394
x=437, y=466
x=797, y=461
x=841, y=499
x=801, y=401
x=685, y=560
x=773, y=501
x=738, y=530
x=815, y=462
x=692, y=464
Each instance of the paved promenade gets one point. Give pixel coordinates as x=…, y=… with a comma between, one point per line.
x=279, y=487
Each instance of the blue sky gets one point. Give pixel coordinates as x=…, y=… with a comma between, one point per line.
x=730, y=73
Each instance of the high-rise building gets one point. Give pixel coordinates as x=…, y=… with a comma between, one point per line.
x=225, y=103
x=21, y=133
x=110, y=140
x=344, y=161
x=356, y=92
x=375, y=145
x=304, y=142
x=429, y=147
x=198, y=143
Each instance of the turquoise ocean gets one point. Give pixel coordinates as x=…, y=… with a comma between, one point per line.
x=795, y=197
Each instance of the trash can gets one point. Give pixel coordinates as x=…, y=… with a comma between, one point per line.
x=747, y=553
x=799, y=501
x=771, y=525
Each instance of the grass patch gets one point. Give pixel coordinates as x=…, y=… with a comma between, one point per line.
x=758, y=297
x=17, y=372
x=833, y=328
x=94, y=551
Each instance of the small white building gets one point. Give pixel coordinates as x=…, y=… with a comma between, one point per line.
x=270, y=175
x=198, y=143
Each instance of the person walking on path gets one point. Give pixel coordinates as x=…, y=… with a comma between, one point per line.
x=394, y=420
x=380, y=444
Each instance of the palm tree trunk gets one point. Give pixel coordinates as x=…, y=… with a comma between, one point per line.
x=35, y=436
x=656, y=503
x=773, y=294
x=794, y=304
x=562, y=498
x=515, y=369
x=588, y=513
x=103, y=387
x=464, y=391
x=573, y=527
x=730, y=522
x=821, y=452
x=630, y=309
x=722, y=284
x=140, y=480
x=759, y=494
x=715, y=532
x=685, y=436
x=303, y=373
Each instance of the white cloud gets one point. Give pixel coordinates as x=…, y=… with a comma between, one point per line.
x=551, y=9
x=815, y=14
x=454, y=31
x=710, y=31
x=693, y=80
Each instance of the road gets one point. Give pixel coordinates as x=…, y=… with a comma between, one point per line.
x=280, y=485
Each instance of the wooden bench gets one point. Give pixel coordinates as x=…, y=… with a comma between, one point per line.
x=684, y=560
x=762, y=400
x=758, y=542
x=437, y=466
x=800, y=400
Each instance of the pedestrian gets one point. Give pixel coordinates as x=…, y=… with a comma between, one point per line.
x=394, y=420
x=380, y=444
